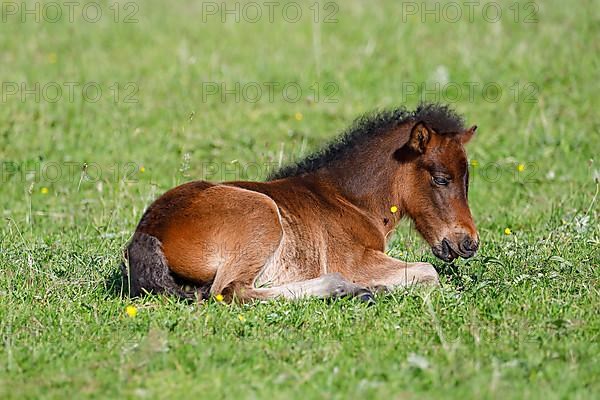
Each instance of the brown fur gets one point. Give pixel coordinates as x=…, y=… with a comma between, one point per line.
x=316, y=232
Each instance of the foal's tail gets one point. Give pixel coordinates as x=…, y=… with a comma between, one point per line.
x=146, y=271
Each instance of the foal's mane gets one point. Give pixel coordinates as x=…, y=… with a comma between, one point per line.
x=438, y=117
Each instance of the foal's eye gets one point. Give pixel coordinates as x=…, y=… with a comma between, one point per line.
x=440, y=180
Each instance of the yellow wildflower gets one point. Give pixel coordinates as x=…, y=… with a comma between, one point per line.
x=44, y=190
x=298, y=116
x=219, y=297
x=131, y=311
x=142, y=169
x=474, y=163
x=507, y=231
x=241, y=318
x=394, y=209
x=521, y=167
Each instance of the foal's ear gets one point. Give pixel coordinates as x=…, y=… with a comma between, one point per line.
x=466, y=136
x=419, y=137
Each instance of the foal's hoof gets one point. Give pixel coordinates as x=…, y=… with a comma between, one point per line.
x=366, y=296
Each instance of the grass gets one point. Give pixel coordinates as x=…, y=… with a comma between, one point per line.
x=519, y=320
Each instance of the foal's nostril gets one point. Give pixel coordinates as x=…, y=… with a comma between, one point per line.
x=469, y=246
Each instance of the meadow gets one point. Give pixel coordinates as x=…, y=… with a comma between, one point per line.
x=108, y=104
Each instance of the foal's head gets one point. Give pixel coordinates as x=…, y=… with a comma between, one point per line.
x=437, y=183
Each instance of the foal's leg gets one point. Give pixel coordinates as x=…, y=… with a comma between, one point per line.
x=382, y=271
x=327, y=286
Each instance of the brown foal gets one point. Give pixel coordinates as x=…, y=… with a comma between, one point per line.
x=319, y=227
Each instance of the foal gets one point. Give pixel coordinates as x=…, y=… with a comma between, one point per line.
x=319, y=227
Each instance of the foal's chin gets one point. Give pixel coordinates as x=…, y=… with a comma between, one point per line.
x=447, y=257
x=444, y=251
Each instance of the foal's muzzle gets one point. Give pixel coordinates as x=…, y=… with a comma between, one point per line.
x=449, y=251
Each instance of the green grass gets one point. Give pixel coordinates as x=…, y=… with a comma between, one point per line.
x=519, y=320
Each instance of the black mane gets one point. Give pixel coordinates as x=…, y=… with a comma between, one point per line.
x=440, y=118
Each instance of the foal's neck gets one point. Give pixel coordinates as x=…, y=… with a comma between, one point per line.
x=368, y=177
